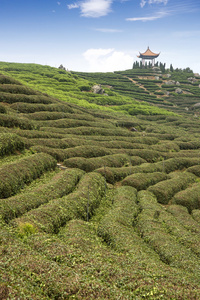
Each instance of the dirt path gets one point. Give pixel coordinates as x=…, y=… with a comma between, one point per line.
x=141, y=86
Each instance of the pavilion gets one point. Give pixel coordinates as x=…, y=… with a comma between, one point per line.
x=149, y=55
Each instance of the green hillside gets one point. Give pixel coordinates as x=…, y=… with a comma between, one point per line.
x=99, y=193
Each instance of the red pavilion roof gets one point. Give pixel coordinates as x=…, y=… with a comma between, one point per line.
x=148, y=54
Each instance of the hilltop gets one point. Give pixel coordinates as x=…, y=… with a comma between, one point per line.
x=99, y=192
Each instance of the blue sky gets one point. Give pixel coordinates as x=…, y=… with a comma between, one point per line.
x=100, y=35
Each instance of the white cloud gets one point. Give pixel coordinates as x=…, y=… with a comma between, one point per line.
x=143, y=2
x=159, y=15
x=108, y=30
x=107, y=60
x=58, y=3
x=93, y=8
x=74, y=5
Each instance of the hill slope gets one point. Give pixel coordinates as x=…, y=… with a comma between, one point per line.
x=95, y=204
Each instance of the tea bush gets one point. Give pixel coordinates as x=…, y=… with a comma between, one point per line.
x=15, y=175
x=60, y=185
x=165, y=190
x=90, y=164
x=3, y=110
x=142, y=181
x=9, y=143
x=79, y=204
x=184, y=218
x=189, y=198
x=155, y=225
x=14, y=121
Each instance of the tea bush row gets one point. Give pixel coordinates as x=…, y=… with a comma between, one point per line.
x=184, y=218
x=15, y=175
x=151, y=223
x=17, y=89
x=8, y=80
x=165, y=190
x=39, y=107
x=60, y=185
x=49, y=115
x=189, y=198
x=58, y=154
x=14, y=121
x=90, y=164
x=70, y=123
x=83, y=130
x=9, y=143
x=195, y=170
x=3, y=110
x=79, y=204
x=13, y=98
x=116, y=226
x=113, y=174
x=142, y=181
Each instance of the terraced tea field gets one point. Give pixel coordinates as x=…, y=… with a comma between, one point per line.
x=96, y=204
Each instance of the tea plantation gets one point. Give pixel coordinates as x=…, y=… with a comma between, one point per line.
x=99, y=193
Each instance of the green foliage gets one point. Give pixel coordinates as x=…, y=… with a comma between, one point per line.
x=9, y=143
x=142, y=181
x=79, y=204
x=26, y=229
x=81, y=234
x=13, y=121
x=165, y=190
x=189, y=198
x=90, y=164
x=156, y=226
x=2, y=109
x=15, y=175
x=60, y=185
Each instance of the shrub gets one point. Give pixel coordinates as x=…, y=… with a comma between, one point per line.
x=196, y=215
x=58, y=154
x=90, y=164
x=39, y=107
x=13, y=98
x=184, y=218
x=87, y=151
x=8, y=80
x=9, y=143
x=79, y=204
x=26, y=229
x=17, y=89
x=15, y=175
x=142, y=181
x=189, y=145
x=83, y=130
x=70, y=123
x=189, y=198
x=2, y=109
x=162, y=232
x=116, y=226
x=60, y=185
x=195, y=170
x=165, y=190
x=12, y=121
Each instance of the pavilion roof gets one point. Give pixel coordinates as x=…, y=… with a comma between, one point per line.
x=148, y=53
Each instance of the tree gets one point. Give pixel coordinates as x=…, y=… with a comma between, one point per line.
x=61, y=67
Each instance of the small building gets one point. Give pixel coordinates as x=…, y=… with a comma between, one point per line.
x=148, y=55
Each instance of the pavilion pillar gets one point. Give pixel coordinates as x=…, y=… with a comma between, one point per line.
x=143, y=62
